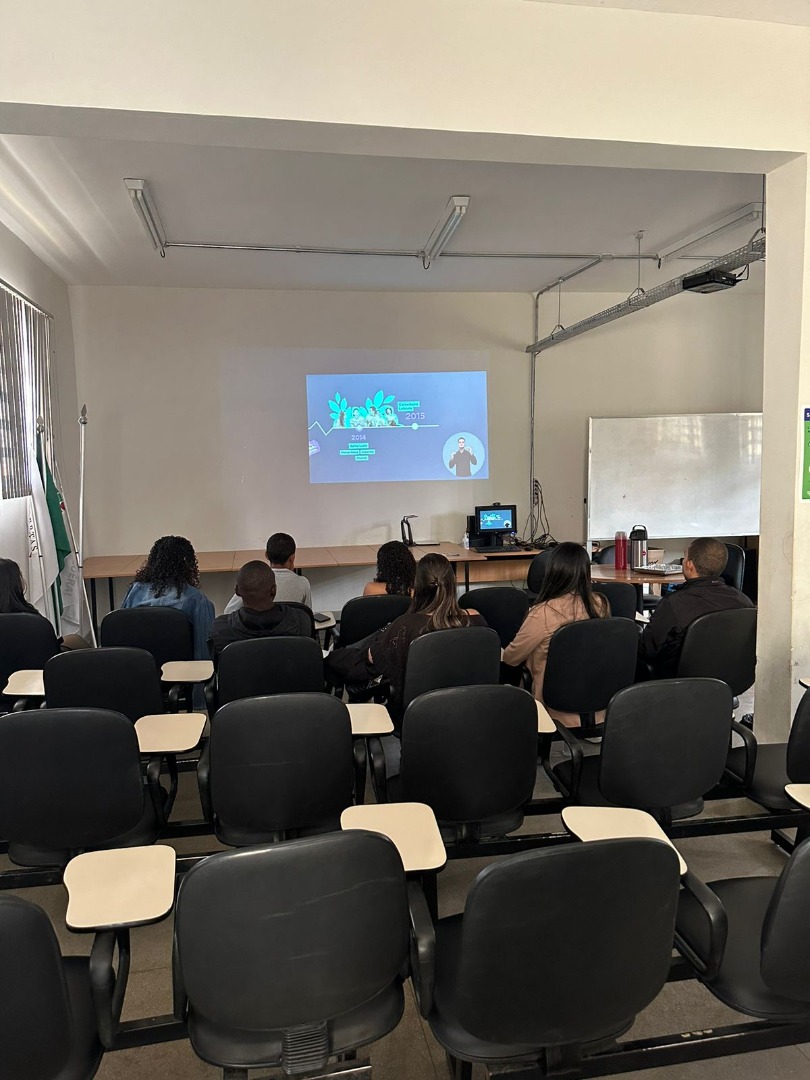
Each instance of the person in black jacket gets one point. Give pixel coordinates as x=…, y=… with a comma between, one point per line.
x=703, y=591
x=260, y=616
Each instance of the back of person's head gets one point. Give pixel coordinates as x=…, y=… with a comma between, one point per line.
x=568, y=572
x=280, y=549
x=396, y=568
x=171, y=564
x=434, y=593
x=256, y=584
x=12, y=590
x=709, y=556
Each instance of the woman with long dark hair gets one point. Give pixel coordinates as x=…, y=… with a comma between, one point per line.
x=565, y=596
x=396, y=569
x=170, y=578
x=434, y=607
x=12, y=590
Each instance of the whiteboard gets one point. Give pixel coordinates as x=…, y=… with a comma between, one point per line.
x=681, y=476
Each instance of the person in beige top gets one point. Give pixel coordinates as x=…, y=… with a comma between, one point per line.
x=566, y=596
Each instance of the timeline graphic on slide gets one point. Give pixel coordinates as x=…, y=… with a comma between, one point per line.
x=384, y=426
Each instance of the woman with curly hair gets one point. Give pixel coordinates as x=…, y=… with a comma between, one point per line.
x=396, y=569
x=170, y=578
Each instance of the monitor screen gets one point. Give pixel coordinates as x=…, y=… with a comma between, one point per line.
x=495, y=519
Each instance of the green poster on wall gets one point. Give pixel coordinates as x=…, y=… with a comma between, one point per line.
x=806, y=456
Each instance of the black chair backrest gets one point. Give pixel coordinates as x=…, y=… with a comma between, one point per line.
x=503, y=608
x=328, y=916
x=588, y=662
x=365, y=614
x=621, y=596
x=522, y=979
x=470, y=752
x=735, y=567
x=164, y=632
x=605, y=556
x=464, y=656
x=122, y=680
x=271, y=665
x=36, y=1021
x=537, y=570
x=69, y=778
x=721, y=645
x=798, y=747
x=281, y=763
x=26, y=641
x=665, y=742
x=783, y=959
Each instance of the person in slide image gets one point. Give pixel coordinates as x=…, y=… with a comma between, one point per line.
x=374, y=418
x=290, y=587
x=462, y=459
x=389, y=417
x=396, y=569
x=170, y=578
x=703, y=591
x=358, y=420
x=566, y=596
x=434, y=607
x=259, y=615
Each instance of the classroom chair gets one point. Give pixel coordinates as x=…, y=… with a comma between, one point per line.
x=735, y=567
x=763, y=769
x=621, y=596
x=363, y=615
x=537, y=571
x=270, y=665
x=503, y=607
x=124, y=680
x=26, y=642
x=276, y=768
x=463, y=656
x=164, y=632
x=292, y=954
x=554, y=956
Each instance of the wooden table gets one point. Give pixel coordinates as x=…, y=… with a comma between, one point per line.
x=122, y=887
x=637, y=578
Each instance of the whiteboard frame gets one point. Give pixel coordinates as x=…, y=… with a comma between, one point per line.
x=656, y=416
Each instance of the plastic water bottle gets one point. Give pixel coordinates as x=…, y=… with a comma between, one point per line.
x=465, y=541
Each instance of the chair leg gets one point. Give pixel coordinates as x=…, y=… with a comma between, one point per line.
x=459, y=1070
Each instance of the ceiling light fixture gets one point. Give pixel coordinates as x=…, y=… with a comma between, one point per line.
x=750, y=212
x=147, y=211
x=445, y=227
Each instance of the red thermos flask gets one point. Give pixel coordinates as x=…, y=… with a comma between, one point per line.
x=620, y=551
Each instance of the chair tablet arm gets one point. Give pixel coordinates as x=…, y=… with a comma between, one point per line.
x=379, y=779
x=717, y=919
x=423, y=948
x=204, y=782
x=750, y=749
x=574, y=747
x=106, y=987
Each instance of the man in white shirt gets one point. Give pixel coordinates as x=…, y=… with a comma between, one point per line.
x=290, y=587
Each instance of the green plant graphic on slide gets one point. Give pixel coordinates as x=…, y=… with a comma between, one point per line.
x=339, y=408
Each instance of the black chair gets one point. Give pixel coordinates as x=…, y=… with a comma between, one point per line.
x=664, y=744
x=363, y=615
x=26, y=642
x=745, y=938
x=291, y=954
x=735, y=567
x=48, y=1027
x=722, y=645
x=70, y=781
x=763, y=769
x=555, y=955
x=503, y=608
x=164, y=632
x=605, y=556
x=464, y=656
x=270, y=665
x=470, y=753
x=621, y=596
x=276, y=768
x=537, y=571
x=122, y=680
x=588, y=662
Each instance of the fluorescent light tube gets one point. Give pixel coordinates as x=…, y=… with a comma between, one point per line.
x=147, y=211
x=445, y=227
x=749, y=212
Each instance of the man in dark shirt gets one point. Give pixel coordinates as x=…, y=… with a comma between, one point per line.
x=703, y=591
x=260, y=616
x=462, y=459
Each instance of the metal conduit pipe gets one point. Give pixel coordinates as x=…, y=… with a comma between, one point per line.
x=296, y=249
x=734, y=260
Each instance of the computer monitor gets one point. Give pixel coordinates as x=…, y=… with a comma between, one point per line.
x=492, y=523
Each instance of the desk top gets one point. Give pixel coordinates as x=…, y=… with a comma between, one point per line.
x=27, y=682
x=121, y=887
x=615, y=823
x=411, y=826
x=634, y=577
x=169, y=733
x=185, y=671
x=369, y=719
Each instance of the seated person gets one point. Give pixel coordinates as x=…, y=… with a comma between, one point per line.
x=13, y=602
x=703, y=591
x=170, y=578
x=434, y=607
x=259, y=615
x=290, y=587
x=396, y=568
x=565, y=596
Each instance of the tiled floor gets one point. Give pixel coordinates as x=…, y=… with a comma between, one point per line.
x=410, y=1052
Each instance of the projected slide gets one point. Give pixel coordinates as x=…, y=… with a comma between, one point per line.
x=421, y=426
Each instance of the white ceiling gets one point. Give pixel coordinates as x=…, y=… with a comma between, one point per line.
x=794, y=12
x=65, y=198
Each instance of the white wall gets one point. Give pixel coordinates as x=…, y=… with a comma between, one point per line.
x=152, y=366
x=689, y=354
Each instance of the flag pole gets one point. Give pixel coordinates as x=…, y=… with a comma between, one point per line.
x=82, y=426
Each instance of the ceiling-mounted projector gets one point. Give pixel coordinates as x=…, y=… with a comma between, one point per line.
x=709, y=281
